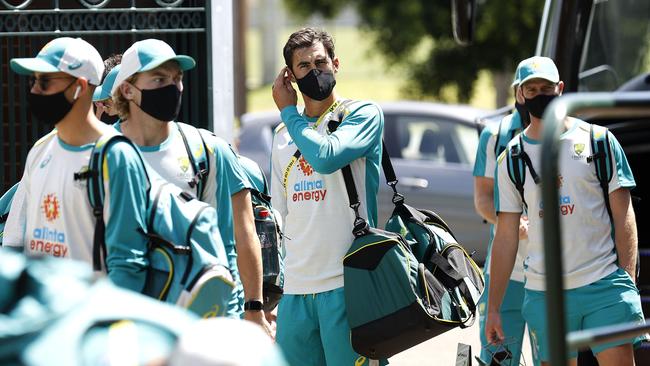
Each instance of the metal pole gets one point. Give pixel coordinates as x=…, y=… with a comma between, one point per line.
x=553, y=119
x=552, y=123
x=590, y=337
x=221, y=95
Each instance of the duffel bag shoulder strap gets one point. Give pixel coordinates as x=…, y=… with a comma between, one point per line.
x=361, y=226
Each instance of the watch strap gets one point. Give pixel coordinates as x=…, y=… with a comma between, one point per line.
x=255, y=305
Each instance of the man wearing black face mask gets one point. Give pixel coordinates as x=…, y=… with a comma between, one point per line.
x=598, y=226
x=147, y=94
x=50, y=213
x=310, y=195
x=104, y=108
x=494, y=140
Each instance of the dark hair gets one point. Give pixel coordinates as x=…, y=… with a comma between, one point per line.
x=304, y=38
x=112, y=61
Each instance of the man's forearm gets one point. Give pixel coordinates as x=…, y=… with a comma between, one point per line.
x=506, y=244
x=485, y=208
x=625, y=232
x=249, y=261
x=627, y=243
x=484, y=198
x=500, y=272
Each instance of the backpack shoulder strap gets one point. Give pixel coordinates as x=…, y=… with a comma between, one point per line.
x=505, y=133
x=516, y=167
x=499, y=145
x=602, y=158
x=95, y=182
x=197, y=153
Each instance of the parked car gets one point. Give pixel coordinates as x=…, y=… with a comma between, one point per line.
x=432, y=147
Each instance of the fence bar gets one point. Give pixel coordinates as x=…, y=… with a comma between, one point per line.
x=99, y=11
x=101, y=32
x=590, y=337
x=553, y=121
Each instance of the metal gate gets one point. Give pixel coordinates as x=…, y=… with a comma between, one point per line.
x=109, y=25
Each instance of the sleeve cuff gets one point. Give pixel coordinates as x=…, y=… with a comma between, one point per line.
x=287, y=112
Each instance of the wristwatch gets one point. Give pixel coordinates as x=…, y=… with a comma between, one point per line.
x=254, y=305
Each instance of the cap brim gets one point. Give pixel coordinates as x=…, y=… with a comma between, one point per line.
x=550, y=78
x=184, y=62
x=100, y=94
x=27, y=66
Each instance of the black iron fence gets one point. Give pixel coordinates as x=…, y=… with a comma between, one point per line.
x=111, y=26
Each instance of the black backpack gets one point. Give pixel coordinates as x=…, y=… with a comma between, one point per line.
x=270, y=236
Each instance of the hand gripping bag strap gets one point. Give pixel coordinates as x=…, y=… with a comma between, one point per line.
x=601, y=156
x=200, y=167
x=95, y=177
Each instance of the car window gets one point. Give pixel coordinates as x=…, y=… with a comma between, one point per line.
x=257, y=138
x=432, y=139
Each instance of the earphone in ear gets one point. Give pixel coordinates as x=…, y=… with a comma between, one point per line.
x=76, y=92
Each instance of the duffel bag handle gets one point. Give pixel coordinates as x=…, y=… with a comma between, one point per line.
x=453, y=281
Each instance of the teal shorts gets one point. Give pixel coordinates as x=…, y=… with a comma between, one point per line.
x=313, y=330
x=611, y=300
x=512, y=321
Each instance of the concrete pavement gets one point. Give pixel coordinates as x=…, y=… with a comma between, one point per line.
x=441, y=350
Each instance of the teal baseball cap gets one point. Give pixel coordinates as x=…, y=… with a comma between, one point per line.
x=104, y=91
x=73, y=56
x=515, y=81
x=537, y=67
x=146, y=55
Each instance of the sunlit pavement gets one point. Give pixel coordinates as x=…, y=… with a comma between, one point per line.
x=441, y=350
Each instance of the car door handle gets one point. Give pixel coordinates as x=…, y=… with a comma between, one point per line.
x=414, y=182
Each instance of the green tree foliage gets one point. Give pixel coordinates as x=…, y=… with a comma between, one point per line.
x=506, y=32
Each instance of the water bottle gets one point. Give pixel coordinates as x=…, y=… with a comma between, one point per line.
x=268, y=236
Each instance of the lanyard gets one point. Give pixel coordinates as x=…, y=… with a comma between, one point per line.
x=296, y=155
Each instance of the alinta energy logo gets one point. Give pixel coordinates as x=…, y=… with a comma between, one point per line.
x=567, y=207
x=304, y=166
x=51, y=207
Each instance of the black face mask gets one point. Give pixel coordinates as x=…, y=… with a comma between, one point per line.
x=536, y=106
x=163, y=103
x=317, y=85
x=108, y=119
x=523, y=113
x=49, y=109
